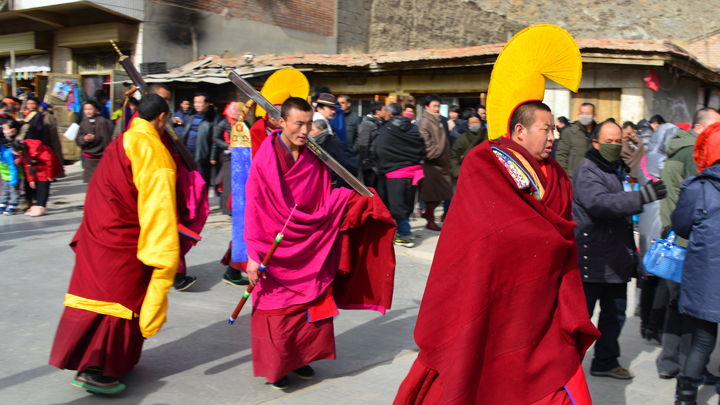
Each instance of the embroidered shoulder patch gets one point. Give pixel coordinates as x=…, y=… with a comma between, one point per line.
x=517, y=174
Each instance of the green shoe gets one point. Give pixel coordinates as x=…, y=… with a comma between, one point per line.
x=95, y=382
x=243, y=281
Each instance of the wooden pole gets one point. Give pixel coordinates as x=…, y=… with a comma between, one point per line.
x=13, y=79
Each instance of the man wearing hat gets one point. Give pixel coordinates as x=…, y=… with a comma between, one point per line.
x=325, y=107
x=511, y=327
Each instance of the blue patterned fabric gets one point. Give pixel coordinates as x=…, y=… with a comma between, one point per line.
x=240, y=170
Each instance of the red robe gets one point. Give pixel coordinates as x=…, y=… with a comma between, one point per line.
x=504, y=318
x=284, y=339
x=259, y=131
x=108, y=270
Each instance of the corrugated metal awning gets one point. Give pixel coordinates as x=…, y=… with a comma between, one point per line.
x=212, y=76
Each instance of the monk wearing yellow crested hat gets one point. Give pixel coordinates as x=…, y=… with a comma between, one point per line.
x=283, y=84
x=506, y=322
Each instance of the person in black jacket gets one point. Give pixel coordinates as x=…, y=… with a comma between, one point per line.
x=221, y=140
x=603, y=209
x=367, y=133
x=399, y=150
x=337, y=149
x=352, y=120
x=198, y=135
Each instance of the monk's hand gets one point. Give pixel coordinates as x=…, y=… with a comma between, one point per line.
x=212, y=162
x=253, y=272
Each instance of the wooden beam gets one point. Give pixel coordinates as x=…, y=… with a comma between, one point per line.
x=45, y=17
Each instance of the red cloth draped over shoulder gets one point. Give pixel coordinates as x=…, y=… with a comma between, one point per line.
x=113, y=198
x=366, y=277
x=503, y=318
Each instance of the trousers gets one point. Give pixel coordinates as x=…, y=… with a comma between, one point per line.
x=613, y=303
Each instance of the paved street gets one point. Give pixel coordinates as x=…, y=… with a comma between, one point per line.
x=198, y=358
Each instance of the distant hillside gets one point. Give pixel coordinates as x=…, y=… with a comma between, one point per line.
x=421, y=24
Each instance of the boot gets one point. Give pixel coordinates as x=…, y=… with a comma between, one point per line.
x=430, y=216
x=687, y=389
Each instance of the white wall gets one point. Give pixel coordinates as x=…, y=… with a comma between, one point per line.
x=559, y=101
x=130, y=8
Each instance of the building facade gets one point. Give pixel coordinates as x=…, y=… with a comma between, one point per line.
x=613, y=77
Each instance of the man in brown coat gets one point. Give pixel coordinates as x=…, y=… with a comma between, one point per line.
x=437, y=183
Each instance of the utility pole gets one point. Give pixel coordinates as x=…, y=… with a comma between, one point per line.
x=13, y=78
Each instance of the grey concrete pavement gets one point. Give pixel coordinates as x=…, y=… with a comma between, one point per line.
x=198, y=358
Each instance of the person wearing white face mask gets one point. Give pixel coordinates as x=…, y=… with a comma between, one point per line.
x=575, y=140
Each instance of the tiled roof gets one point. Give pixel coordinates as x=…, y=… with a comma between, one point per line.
x=382, y=58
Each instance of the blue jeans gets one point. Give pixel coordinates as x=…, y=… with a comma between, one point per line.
x=613, y=303
x=10, y=194
x=403, y=227
x=704, y=338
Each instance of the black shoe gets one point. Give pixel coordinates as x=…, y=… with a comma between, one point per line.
x=183, y=281
x=305, y=372
x=243, y=281
x=618, y=372
x=686, y=390
x=281, y=384
x=710, y=378
x=95, y=382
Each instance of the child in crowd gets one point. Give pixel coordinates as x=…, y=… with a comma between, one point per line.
x=41, y=167
x=10, y=172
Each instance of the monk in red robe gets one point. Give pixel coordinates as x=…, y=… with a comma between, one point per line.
x=126, y=255
x=337, y=252
x=505, y=323
x=261, y=129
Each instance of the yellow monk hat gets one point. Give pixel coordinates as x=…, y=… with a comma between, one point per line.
x=283, y=84
x=533, y=54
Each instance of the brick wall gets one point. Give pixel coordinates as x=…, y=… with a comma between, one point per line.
x=352, y=29
x=698, y=49
x=315, y=16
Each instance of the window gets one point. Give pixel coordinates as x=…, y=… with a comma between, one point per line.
x=97, y=62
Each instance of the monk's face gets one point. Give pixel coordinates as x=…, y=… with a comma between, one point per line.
x=539, y=138
x=296, y=127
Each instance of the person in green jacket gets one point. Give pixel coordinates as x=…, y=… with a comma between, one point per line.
x=576, y=140
x=475, y=135
x=680, y=164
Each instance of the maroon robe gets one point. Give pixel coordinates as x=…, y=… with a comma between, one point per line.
x=503, y=319
x=85, y=338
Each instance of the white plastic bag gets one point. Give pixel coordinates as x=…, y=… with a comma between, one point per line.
x=72, y=131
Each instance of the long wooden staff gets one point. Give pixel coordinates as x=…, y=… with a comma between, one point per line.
x=263, y=266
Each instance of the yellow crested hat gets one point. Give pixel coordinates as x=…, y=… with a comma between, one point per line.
x=533, y=54
x=283, y=84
